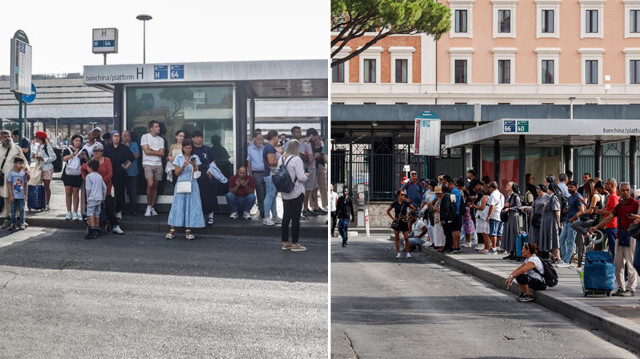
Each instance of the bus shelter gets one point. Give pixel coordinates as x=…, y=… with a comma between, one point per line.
x=542, y=146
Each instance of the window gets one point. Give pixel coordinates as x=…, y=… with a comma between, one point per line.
x=504, y=71
x=461, y=21
x=592, y=18
x=401, y=71
x=461, y=71
x=591, y=71
x=591, y=21
x=547, y=71
x=634, y=21
x=634, y=72
x=504, y=21
x=369, y=70
x=547, y=21
x=338, y=73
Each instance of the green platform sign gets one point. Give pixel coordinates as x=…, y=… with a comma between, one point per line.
x=522, y=127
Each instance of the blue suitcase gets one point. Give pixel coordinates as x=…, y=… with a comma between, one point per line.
x=36, y=200
x=521, y=239
x=599, y=273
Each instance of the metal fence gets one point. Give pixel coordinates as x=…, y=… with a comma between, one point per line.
x=614, y=164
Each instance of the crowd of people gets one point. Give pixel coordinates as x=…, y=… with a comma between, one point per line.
x=555, y=220
x=99, y=171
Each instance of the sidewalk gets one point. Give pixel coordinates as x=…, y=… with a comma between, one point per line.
x=312, y=227
x=618, y=317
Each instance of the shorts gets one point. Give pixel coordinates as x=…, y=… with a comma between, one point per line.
x=47, y=175
x=533, y=283
x=71, y=181
x=154, y=172
x=93, y=208
x=495, y=228
x=311, y=182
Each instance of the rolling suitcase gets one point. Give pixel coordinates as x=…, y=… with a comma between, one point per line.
x=599, y=273
x=521, y=239
x=36, y=200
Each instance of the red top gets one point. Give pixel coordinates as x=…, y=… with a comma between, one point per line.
x=241, y=191
x=105, y=170
x=613, y=201
x=621, y=211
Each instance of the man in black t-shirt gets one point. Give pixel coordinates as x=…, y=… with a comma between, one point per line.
x=24, y=144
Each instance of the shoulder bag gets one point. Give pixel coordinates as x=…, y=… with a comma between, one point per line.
x=2, y=179
x=185, y=186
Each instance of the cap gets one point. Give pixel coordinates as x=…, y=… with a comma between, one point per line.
x=97, y=129
x=412, y=172
x=438, y=189
x=98, y=147
x=41, y=134
x=114, y=132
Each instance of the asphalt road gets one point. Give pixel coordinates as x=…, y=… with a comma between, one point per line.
x=141, y=296
x=383, y=307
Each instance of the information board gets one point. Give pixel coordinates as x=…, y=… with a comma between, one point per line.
x=20, y=66
x=105, y=41
x=427, y=137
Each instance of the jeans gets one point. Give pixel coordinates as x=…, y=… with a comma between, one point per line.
x=567, y=242
x=261, y=188
x=292, y=209
x=132, y=191
x=612, y=234
x=240, y=204
x=343, y=228
x=636, y=258
x=17, y=204
x=270, y=204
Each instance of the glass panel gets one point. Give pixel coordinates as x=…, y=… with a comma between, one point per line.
x=504, y=21
x=208, y=109
x=461, y=71
x=401, y=71
x=369, y=70
x=634, y=71
x=592, y=72
x=547, y=21
x=547, y=71
x=540, y=161
x=461, y=20
x=634, y=18
x=338, y=73
x=504, y=71
x=592, y=21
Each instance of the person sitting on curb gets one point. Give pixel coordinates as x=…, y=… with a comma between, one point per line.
x=529, y=274
x=240, y=196
x=418, y=231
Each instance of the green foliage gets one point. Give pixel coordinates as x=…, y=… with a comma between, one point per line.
x=351, y=18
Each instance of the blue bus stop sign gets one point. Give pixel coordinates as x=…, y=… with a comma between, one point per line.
x=30, y=98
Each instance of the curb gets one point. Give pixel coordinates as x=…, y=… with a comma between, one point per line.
x=614, y=326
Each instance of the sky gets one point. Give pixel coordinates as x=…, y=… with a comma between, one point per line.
x=60, y=32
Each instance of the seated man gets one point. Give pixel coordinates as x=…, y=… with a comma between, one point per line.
x=418, y=231
x=240, y=196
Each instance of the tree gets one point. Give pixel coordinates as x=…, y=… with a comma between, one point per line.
x=351, y=18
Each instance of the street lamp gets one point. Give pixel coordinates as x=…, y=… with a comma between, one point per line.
x=571, y=99
x=144, y=18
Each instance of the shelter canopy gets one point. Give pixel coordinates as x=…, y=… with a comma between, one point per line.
x=546, y=132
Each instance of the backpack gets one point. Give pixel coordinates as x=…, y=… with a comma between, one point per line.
x=550, y=276
x=57, y=162
x=281, y=179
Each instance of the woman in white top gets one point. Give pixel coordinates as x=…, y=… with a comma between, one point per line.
x=482, y=211
x=332, y=208
x=528, y=274
x=292, y=201
x=174, y=151
x=45, y=157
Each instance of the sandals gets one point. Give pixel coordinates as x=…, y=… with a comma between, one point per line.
x=189, y=235
x=171, y=234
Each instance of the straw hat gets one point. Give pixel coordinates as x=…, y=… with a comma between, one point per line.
x=438, y=189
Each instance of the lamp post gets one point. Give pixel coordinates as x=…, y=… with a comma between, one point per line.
x=571, y=99
x=144, y=18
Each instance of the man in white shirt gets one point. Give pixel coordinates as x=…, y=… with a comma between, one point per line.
x=152, y=153
x=495, y=203
x=418, y=231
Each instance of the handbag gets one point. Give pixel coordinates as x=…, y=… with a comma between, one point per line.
x=634, y=230
x=183, y=187
x=395, y=225
x=504, y=216
x=536, y=219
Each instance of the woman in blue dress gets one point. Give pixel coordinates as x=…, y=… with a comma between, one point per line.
x=186, y=209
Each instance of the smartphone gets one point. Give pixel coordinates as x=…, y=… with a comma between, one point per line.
x=629, y=215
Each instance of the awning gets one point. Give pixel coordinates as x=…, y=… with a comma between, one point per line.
x=546, y=132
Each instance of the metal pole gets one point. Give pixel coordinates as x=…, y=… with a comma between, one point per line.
x=144, y=41
x=522, y=163
x=598, y=159
x=105, y=58
x=20, y=118
x=568, y=161
x=496, y=161
x=633, y=149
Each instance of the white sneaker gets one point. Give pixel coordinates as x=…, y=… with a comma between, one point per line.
x=268, y=222
x=119, y=215
x=399, y=255
x=480, y=247
x=210, y=220
x=246, y=215
x=153, y=212
x=117, y=230
x=75, y=216
x=563, y=265
x=408, y=255
x=147, y=213
x=68, y=216
x=47, y=208
x=276, y=220
x=233, y=215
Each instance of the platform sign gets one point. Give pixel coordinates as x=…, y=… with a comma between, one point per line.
x=20, y=71
x=176, y=72
x=523, y=126
x=509, y=126
x=105, y=41
x=427, y=134
x=160, y=72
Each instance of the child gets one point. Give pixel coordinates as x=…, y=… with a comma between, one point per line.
x=17, y=183
x=96, y=192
